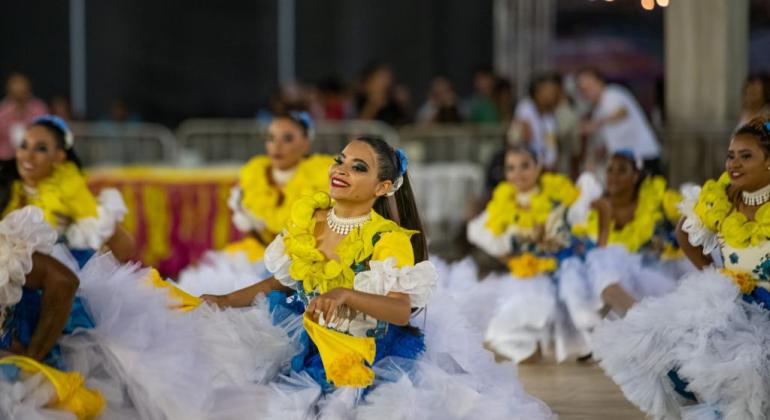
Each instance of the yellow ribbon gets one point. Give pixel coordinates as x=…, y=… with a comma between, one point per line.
x=343, y=355
x=71, y=394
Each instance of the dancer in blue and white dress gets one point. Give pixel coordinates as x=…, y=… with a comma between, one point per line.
x=702, y=351
x=541, y=303
x=352, y=319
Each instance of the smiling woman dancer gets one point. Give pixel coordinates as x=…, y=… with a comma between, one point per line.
x=349, y=275
x=702, y=351
x=48, y=176
x=261, y=203
x=541, y=302
x=642, y=257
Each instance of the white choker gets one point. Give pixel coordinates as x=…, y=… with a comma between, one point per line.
x=343, y=225
x=282, y=177
x=756, y=198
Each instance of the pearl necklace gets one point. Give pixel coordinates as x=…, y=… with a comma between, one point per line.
x=343, y=225
x=756, y=198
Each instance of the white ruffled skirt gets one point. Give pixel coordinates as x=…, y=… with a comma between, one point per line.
x=639, y=277
x=221, y=272
x=705, y=332
x=147, y=361
x=455, y=378
x=553, y=312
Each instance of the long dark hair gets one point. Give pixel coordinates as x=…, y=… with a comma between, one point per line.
x=759, y=128
x=60, y=134
x=408, y=217
x=8, y=174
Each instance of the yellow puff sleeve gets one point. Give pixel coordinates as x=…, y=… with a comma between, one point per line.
x=395, y=244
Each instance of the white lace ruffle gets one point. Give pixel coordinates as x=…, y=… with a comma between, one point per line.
x=94, y=232
x=590, y=191
x=697, y=233
x=22, y=233
x=242, y=218
x=479, y=235
x=278, y=263
x=418, y=281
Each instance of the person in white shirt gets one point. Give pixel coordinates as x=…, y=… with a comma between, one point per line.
x=534, y=115
x=618, y=119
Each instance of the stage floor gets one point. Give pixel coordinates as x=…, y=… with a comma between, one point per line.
x=577, y=391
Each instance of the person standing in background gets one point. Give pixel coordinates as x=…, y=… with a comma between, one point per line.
x=618, y=119
x=481, y=107
x=756, y=98
x=17, y=110
x=535, y=118
x=441, y=106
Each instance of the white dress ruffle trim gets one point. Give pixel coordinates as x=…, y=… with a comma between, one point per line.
x=242, y=218
x=479, y=235
x=22, y=233
x=697, y=233
x=94, y=232
x=590, y=191
x=278, y=263
x=717, y=342
x=418, y=281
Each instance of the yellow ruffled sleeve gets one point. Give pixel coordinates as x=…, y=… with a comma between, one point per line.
x=395, y=244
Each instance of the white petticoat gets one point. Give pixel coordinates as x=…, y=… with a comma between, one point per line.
x=520, y=315
x=454, y=379
x=615, y=265
x=147, y=361
x=221, y=272
x=716, y=341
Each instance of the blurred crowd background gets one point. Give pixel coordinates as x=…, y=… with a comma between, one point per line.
x=169, y=85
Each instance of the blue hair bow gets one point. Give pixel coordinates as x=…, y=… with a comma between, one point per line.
x=402, y=162
x=303, y=117
x=767, y=126
x=55, y=120
x=58, y=122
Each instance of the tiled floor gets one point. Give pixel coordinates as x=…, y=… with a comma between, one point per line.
x=577, y=391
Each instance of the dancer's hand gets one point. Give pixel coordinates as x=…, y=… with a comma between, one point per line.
x=216, y=300
x=326, y=305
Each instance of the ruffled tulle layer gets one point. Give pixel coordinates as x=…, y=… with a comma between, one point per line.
x=453, y=378
x=705, y=334
x=220, y=273
x=147, y=361
x=554, y=313
x=615, y=265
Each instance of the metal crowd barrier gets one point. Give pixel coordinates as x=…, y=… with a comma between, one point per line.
x=235, y=140
x=108, y=143
x=452, y=142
